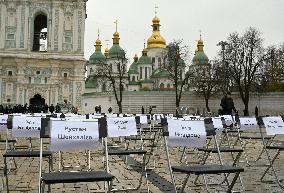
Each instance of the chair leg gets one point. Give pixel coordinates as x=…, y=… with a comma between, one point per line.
x=185, y=182
x=271, y=166
x=6, y=174
x=233, y=182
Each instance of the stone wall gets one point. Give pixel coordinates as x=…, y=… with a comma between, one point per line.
x=268, y=103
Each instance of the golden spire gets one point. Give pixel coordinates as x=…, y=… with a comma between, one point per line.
x=135, y=58
x=106, y=50
x=144, y=52
x=98, y=42
x=156, y=40
x=200, y=44
x=116, y=34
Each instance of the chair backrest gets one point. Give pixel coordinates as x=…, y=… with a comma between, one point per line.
x=3, y=122
x=122, y=126
x=273, y=125
x=186, y=133
x=25, y=125
x=71, y=134
x=246, y=123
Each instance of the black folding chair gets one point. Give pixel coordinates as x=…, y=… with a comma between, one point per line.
x=274, y=126
x=122, y=127
x=182, y=135
x=83, y=134
x=19, y=130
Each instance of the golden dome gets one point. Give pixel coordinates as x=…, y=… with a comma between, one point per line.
x=106, y=51
x=98, y=44
x=156, y=20
x=156, y=40
x=200, y=45
x=116, y=38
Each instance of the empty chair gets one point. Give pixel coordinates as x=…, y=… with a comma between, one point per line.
x=192, y=133
x=23, y=126
x=70, y=135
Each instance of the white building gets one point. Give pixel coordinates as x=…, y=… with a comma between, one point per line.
x=42, y=51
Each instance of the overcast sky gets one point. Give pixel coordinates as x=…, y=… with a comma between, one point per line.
x=181, y=19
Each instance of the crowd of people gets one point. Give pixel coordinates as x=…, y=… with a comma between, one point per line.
x=18, y=108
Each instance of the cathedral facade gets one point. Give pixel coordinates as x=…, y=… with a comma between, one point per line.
x=42, y=51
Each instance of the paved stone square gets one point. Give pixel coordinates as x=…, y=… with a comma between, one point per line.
x=25, y=177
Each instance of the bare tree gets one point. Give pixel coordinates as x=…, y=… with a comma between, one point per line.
x=274, y=68
x=176, y=67
x=245, y=56
x=206, y=80
x=115, y=72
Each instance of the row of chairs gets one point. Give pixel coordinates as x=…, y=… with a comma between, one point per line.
x=172, y=134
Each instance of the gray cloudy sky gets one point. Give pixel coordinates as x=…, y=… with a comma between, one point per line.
x=181, y=19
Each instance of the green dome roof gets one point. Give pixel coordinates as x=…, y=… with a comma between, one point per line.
x=144, y=59
x=116, y=51
x=97, y=57
x=160, y=73
x=133, y=68
x=200, y=58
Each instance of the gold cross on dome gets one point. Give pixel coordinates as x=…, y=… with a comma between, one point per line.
x=116, y=23
x=98, y=33
x=156, y=8
x=200, y=35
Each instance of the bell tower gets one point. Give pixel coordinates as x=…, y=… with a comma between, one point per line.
x=42, y=51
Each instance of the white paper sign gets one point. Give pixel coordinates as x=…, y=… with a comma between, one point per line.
x=228, y=119
x=186, y=133
x=111, y=115
x=25, y=126
x=3, y=122
x=143, y=119
x=218, y=125
x=73, y=135
x=95, y=116
x=273, y=125
x=118, y=127
x=248, y=123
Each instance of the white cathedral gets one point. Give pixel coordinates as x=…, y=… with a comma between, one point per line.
x=42, y=51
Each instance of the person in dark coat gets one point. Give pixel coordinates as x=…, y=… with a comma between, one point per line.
x=143, y=110
x=51, y=109
x=57, y=108
x=109, y=110
x=227, y=104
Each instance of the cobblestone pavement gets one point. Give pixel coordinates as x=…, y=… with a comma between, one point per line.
x=25, y=177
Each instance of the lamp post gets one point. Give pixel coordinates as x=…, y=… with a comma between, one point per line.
x=223, y=45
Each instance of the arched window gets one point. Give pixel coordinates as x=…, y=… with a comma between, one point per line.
x=168, y=85
x=104, y=87
x=40, y=33
x=162, y=86
x=133, y=78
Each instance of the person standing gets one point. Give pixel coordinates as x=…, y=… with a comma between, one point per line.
x=227, y=104
x=51, y=109
x=143, y=110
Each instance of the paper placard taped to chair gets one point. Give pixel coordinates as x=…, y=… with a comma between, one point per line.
x=186, y=133
x=229, y=119
x=218, y=125
x=73, y=134
x=118, y=127
x=95, y=116
x=25, y=126
x=248, y=123
x=3, y=122
x=273, y=125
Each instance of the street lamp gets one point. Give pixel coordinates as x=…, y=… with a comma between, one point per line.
x=223, y=45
